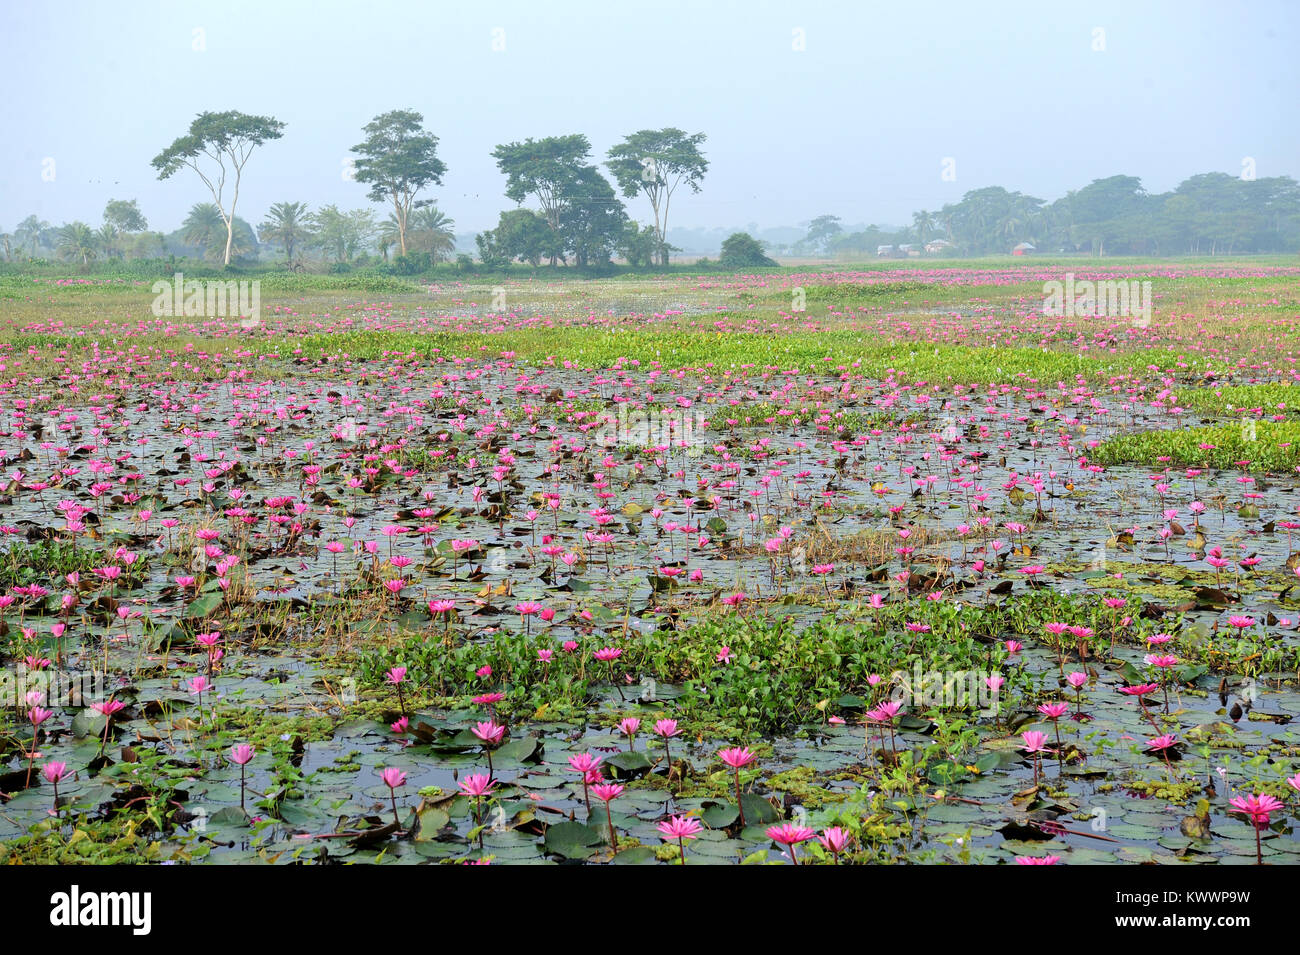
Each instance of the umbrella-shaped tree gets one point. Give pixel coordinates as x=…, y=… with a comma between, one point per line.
x=217, y=147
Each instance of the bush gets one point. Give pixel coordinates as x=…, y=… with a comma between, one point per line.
x=741, y=250
x=412, y=263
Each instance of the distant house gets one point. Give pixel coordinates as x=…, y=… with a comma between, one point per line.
x=1024, y=248
x=884, y=250
x=908, y=249
x=937, y=245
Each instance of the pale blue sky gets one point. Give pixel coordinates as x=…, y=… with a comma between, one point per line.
x=857, y=124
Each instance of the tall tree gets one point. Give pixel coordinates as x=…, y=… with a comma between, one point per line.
x=122, y=221
x=397, y=159
x=228, y=140
x=655, y=162
x=1103, y=207
x=125, y=216
x=592, y=218
x=286, y=226
x=822, y=232
x=546, y=169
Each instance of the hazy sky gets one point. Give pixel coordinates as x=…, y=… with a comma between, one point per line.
x=857, y=123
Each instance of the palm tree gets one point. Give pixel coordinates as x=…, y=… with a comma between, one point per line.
x=78, y=241
x=428, y=230
x=944, y=218
x=31, y=233
x=1010, y=225
x=203, y=226
x=242, y=241
x=286, y=225
x=923, y=223
x=108, y=239
x=389, y=235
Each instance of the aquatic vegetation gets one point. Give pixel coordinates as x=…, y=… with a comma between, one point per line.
x=915, y=574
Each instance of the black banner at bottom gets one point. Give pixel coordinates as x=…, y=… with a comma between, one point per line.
x=164, y=902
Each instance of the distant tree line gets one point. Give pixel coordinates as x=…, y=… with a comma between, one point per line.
x=1208, y=214
x=575, y=214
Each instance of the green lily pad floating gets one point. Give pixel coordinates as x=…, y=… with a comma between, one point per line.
x=639, y=802
x=572, y=840
x=507, y=839
x=432, y=821
x=823, y=759
x=439, y=850
x=954, y=812
x=543, y=781
x=1232, y=847
x=1079, y=856
x=88, y=723
x=731, y=850
x=628, y=765
x=303, y=817
x=637, y=855
x=758, y=811
x=229, y=817
x=357, y=728
x=522, y=750
x=999, y=759
x=719, y=815
x=1127, y=830
x=217, y=792
x=514, y=854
